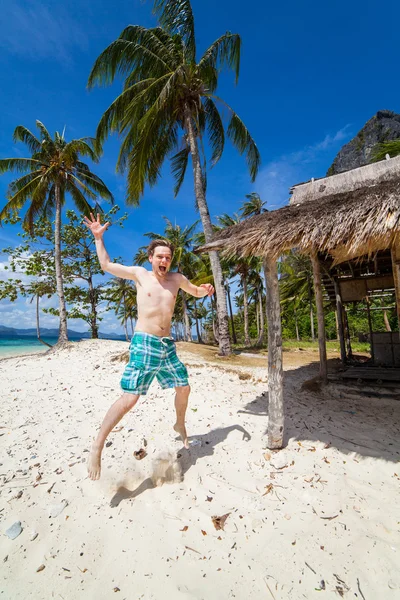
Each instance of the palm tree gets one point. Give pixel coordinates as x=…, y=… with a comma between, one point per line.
x=36, y=290
x=253, y=206
x=54, y=170
x=257, y=291
x=167, y=107
x=297, y=282
x=243, y=268
x=123, y=296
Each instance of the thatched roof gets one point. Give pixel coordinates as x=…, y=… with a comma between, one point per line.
x=362, y=177
x=346, y=225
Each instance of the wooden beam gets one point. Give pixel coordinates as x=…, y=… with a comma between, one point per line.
x=395, y=253
x=323, y=363
x=276, y=415
x=339, y=308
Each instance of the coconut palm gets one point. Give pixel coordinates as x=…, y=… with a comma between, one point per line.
x=122, y=294
x=253, y=206
x=296, y=283
x=167, y=108
x=54, y=170
x=37, y=289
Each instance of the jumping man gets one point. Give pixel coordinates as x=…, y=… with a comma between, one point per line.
x=152, y=351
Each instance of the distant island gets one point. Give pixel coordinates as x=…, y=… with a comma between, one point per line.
x=48, y=332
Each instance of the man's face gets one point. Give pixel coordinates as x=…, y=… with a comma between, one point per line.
x=161, y=260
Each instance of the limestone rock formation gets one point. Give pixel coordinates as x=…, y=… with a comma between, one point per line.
x=383, y=127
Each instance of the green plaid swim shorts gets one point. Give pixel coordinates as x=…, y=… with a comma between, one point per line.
x=152, y=356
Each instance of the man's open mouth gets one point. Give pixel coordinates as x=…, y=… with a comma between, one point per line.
x=163, y=269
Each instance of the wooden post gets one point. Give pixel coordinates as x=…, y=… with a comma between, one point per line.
x=395, y=252
x=347, y=335
x=276, y=415
x=339, y=312
x=371, y=341
x=323, y=364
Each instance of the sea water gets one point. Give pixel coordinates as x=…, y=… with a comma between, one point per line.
x=15, y=345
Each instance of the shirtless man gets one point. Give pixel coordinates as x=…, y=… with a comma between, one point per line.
x=152, y=351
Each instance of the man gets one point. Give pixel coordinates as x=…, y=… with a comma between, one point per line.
x=152, y=350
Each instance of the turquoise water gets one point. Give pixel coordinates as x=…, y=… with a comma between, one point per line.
x=17, y=345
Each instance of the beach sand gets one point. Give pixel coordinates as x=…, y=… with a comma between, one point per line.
x=318, y=519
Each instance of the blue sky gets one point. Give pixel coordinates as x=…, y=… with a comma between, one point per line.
x=312, y=73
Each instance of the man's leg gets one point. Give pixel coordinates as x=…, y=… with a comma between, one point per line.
x=181, y=402
x=113, y=416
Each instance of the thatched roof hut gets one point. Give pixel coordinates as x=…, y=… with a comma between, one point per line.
x=345, y=224
x=335, y=219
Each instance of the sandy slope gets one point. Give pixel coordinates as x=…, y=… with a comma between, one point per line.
x=322, y=513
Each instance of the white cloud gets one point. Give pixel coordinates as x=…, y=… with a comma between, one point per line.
x=36, y=31
x=6, y=273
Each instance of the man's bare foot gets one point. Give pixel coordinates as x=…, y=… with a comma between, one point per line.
x=181, y=429
x=94, y=463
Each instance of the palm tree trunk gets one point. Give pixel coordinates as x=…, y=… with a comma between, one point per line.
x=228, y=292
x=245, y=312
x=188, y=333
x=214, y=324
x=257, y=318
x=261, y=336
x=131, y=320
x=385, y=317
x=222, y=312
x=310, y=294
x=200, y=341
x=63, y=334
x=125, y=321
x=93, y=320
x=38, y=324
x=296, y=324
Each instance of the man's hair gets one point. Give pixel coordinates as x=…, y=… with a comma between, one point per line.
x=153, y=245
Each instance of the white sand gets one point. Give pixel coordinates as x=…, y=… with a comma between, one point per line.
x=331, y=518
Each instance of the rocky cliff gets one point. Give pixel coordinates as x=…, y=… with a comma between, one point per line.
x=383, y=127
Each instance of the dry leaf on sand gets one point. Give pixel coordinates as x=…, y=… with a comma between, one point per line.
x=219, y=522
x=140, y=454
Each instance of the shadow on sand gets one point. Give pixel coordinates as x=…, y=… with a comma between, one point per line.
x=351, y=418
x=187, y=459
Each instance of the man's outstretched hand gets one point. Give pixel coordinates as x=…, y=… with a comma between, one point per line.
x=208, y=287
x=95, y=226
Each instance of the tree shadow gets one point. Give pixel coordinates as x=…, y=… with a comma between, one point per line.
x=202, y=447
x=352, y=418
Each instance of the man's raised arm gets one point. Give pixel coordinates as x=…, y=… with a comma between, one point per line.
x=205, y=289
x=109, y=267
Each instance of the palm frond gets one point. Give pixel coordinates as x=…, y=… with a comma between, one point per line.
x=19, y=165
x=44, y=133
x=79, y=199
x=158, y=136
x=124, y=57
x=215, y=130
x=17, y=201
x=38, y=198
x=223, y=53
x=96, y=184
x=178, y=167
x=111, y=119
x=82, y=186
x=22, y=134
x=82, y=147
x=176, y=16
